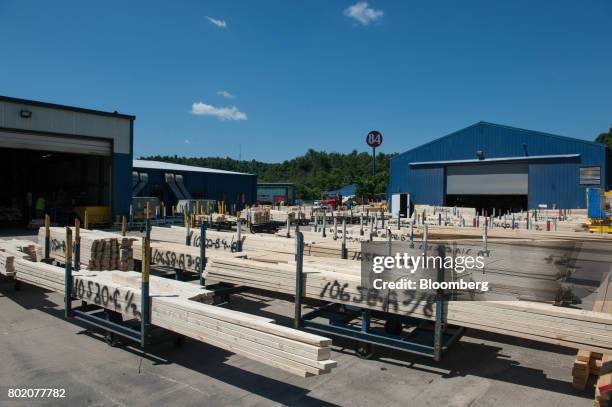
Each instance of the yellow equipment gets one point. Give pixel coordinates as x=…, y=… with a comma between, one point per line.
x=599, y=210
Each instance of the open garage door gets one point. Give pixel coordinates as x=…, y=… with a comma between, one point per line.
x=57, y=181
x=503, y=187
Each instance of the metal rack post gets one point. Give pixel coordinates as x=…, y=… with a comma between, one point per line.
x=144, y=287
x=77, y=245
x=299, y=268
x=202, y=264
x=68, y=274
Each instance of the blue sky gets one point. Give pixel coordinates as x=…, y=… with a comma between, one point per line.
x=313, y=74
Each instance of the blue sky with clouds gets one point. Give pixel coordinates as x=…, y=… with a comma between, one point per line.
x=279, y=77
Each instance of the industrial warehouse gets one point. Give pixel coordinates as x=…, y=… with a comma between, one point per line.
x=490, y=166
x=353, y=203
x=201, y=256
x=497, y=189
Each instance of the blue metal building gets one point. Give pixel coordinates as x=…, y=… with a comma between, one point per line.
x=170, y=182
x=489, y=165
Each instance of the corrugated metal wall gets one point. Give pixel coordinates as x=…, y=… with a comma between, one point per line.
x=551, y=182
x=206, y=185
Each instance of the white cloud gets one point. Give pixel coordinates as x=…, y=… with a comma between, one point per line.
x=362, y=13
x=187, y=141
x=218, y=23
x=221, y=113
x=226, y=94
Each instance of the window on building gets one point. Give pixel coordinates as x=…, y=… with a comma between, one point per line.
x=590, y=175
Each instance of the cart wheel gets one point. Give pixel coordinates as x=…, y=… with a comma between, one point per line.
x=251, y=229
x=179, y=341
x=365, y=350
x=393, y=327
x=111, y=339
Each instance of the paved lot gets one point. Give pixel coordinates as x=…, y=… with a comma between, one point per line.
x=39, y=348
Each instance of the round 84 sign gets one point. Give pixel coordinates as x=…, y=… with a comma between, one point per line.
x=374, y=139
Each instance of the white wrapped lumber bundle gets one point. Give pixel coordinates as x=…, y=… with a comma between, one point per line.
x=181, y=307
x=98, y=250
x=541, y=322
x=281, y=216
x=216, y=240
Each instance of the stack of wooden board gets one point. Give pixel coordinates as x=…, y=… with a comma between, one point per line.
x=12, y=249
x=98, y=250
x=182, y=308
x=259, y=216
x=542, y=322
x=586, y=364
x=594, y=363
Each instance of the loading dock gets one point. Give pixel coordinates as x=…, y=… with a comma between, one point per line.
x=61, y=158
x=501, y=186
x=63, y=180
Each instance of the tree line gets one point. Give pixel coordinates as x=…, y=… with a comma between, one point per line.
x=312, y=173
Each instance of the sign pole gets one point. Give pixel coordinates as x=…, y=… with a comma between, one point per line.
x=373, y=161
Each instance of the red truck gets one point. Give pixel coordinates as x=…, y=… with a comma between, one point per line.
x=332, y=201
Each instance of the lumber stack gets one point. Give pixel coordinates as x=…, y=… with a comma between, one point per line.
x=217, y=240
x=260, y=215
x=541, y=322
x=183, y=308
x=257, y=338
x=99, y=250
x=594, y=363
x=12, y=249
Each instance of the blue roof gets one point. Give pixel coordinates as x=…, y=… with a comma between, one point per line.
x=346, y=190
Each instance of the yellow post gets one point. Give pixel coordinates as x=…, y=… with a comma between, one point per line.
x=47, y=226
x=77, y=242
x=123, y=226
x=86, y=222
x=185, y=218
x=163, y=209
x=68, y=252
x=197, y=207
x=173, y=210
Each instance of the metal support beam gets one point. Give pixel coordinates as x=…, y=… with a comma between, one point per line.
x=202, y=264
x=68, y=274
x=299, y=268
x=77, y=244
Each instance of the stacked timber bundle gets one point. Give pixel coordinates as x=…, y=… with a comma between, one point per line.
x=260, y=215
x=184, y=308
x=589, y=363
x=98, y=250
x=7, y=264
x=40, y=274
x=172, y=235
x=574, y=328
x=254, y=337
x=12, y=249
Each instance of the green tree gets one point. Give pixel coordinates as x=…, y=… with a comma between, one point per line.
x=313, y=172
x=605, y=138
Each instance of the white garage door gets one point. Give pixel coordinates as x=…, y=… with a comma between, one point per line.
x=64, y=144
x=487, y=179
